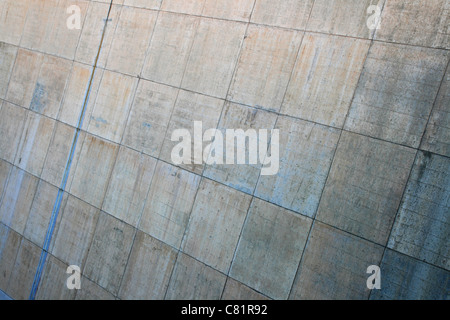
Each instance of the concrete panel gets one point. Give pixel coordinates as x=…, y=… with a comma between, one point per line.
x=193, y=280
x=17, y=199
x=34, y=143
x=264, y=67
x=40, y=213
x=7, y=58
x=365, y=186
x=50, y=84
x=240, y=10
x=210, y=66
x=109, y=252
x=24, y=270
x=92, y=32
x=325, y=78
x=131, y=40
x=306, y=152
x=92, y=291
x=12, y=121
x=58, y=155
x=5, y=170
x=243, y=176
x=415, y=22
x=129, y=185
x=270, y=249
x=334, y=266
x=437, y=134
x=404, y=278
x=215, y=224
x=76, y=95
x=149, y=269
x=112, y=106
x=194, y=7
x=234, y=290
x=288, y=14
x=73, y=238
x=170, y=47
x=396, y=92
x=147, y=4
x=343, y=17
x=93, y=170
x=191, y=107
x=23, y=78
x=149, y=117
x=9, y=246
x=422, y=227
x=13, y=14
x=53, y=285
x=169, y=203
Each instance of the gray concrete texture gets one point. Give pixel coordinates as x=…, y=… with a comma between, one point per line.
x=364, y=179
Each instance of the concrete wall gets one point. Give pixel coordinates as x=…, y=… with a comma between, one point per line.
x=364, y=173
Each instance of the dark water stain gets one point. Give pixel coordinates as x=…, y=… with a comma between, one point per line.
x=423, y=165
x=39, y=98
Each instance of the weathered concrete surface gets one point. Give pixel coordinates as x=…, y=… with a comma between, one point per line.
x=242, y=177
x=306, y=152
x=12, y=121
x=215, y=224
x=193, y=280
x=234, y=290
x=392, y=103
x=7, y=58
x=334, y=265
x=270, y=249
x=363, y=190
x=10, y=243
x=406, y=278
x=289, y=14
x=422, y=227
x=53, y=283
x=169, y=204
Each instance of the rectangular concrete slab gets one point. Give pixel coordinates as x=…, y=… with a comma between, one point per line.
x=112, y=106
x=92, y=291
x=53, y=284
x=324, y=79
x=193, y=280
x=191, y=107
x=306, y=152
x=264, y=67
x=34, y=143
x=437, y=135
x=129, y=185
x=422, y=226
x=169, y=203
x=12, y=121
x=8, y=55
x=210, y=66
x=131, y=40
x=13, y=14
x=72, y=240
x=93, y=170
x=242, y=176
x=40, y=213
x=365, y=186
x=5, y=170
x=291, y=14
x=396, y=92
x=24, y=270
x=415, y=22
x=17, y=199
x=215, y=224
x=234, y=290
x=334, y=266
x=405, y=278
x=109, y=252
x=270, y=248
x=149, y=117
x=9, y=246
x=343, y=17
x=149, y=269
x=170, y=47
